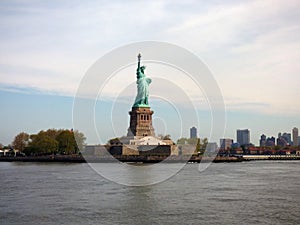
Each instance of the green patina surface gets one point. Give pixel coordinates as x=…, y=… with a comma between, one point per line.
x=143, y=82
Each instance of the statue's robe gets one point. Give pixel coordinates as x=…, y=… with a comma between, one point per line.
x=142, y=91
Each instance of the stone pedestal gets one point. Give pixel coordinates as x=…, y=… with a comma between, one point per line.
x=140, y=122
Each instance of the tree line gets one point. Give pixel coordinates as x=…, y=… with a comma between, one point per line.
x=200, y=143
x=51, y=141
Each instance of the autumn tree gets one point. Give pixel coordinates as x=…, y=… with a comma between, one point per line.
x=21, y=141
x=80, y=139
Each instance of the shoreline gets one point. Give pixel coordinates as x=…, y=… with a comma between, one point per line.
x=109, y=159
x=143, y=159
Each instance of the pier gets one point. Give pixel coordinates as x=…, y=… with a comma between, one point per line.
x=271, y=157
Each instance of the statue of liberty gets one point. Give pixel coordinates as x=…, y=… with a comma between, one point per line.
x=142, y=82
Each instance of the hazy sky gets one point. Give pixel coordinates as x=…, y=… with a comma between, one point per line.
x=252, y=48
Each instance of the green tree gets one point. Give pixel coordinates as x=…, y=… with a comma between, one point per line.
x=204, y=143
x=46, y=145
x=114, y=141
x=52, y=133
x=198, y=146
x=182, y=141
x=41, y=143
x=21, y=141
x=66, y=142
x=53, y=141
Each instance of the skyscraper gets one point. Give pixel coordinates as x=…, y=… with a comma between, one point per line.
x=295, y=136
x=263, y=140
x=193, y=132
x=267, y=141
x=281, y=141
x=243, y=137
x=270, y=141
x=287, y=137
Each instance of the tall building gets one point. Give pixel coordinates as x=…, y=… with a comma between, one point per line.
x=281, y=141
x=263, y=140
x=267, y=141
x=287, y=137
x=270, y=141
x=193, y=132
x=225, y=143
x=295, y=136
x=243, y=137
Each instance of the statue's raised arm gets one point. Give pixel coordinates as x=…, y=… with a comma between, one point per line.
x=139, y=60
x=138, y=70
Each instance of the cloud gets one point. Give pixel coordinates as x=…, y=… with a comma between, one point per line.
x=253, y=50
x=252, y=46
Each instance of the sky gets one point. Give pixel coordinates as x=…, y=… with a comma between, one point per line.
x=251, y=47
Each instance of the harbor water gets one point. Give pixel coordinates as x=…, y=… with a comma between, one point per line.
x=255, y=192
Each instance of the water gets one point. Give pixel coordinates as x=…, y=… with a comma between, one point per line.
x=258, y=192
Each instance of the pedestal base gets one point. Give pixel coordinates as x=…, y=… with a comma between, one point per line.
x=140, y=122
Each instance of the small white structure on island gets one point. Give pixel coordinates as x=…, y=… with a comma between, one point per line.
x=147, y=140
